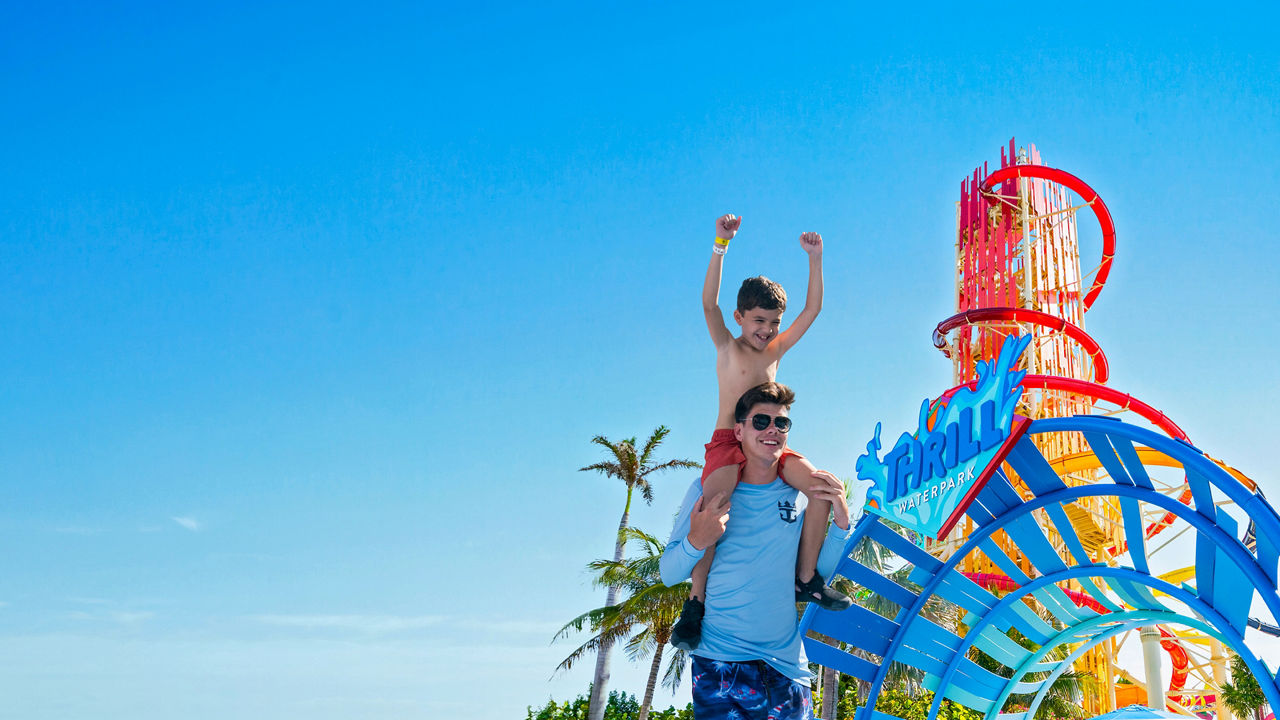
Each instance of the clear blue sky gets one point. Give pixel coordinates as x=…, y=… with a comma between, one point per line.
x=309, y=312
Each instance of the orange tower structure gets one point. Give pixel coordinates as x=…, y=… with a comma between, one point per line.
x=1018, y=271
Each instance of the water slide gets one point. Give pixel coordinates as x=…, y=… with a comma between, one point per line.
x=1178, y=657
x=1086, y=193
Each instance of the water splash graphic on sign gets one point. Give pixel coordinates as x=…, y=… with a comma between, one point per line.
x=925, y=479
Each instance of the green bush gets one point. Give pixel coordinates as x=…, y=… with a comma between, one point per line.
x=895, y=702
x=621, y=706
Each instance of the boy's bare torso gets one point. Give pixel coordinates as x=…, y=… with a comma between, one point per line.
x=740, y=367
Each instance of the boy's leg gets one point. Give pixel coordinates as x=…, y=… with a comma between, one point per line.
x=721, y=480
x=687, y=632
x=799, y=474
x=698, y=578
x=810, y=587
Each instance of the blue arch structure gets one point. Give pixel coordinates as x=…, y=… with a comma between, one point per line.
x=1228, y=576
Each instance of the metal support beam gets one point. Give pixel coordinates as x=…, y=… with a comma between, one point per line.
x=1218, y=660
x=1150, y=637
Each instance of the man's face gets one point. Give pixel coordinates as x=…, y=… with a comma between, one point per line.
x=766, y=444
x=759, y=326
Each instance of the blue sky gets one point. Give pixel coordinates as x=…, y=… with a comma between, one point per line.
x=311, y=311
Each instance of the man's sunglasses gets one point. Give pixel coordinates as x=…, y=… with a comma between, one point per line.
x=760, y=421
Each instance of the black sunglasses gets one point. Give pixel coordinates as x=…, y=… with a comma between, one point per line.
x=760, y=421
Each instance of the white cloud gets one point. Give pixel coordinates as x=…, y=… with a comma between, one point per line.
x=380, y=678
x=399, y=623
x=509, y=627
x=187, y=522
x=362, y=623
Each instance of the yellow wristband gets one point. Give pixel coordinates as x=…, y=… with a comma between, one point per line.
x=721, y=241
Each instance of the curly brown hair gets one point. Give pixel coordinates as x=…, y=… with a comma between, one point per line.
x=761, y=292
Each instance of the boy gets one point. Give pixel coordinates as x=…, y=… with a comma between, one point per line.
x=743, y=363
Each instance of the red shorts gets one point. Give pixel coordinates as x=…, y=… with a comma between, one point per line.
x=724, y=450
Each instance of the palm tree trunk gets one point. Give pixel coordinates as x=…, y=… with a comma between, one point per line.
x=830, y=688
x=829, y=685
x=622, y=527
x=600, y=682
x=653, y=681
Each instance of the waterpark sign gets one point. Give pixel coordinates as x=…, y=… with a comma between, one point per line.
x=928, y=479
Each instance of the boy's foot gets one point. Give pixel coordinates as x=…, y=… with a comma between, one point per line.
x=687, y=632
x=816, y=591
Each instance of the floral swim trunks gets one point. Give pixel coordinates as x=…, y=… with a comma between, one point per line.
x=750, y=690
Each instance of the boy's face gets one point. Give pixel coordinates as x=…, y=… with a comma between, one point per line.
x=759, y=326
x=766, y=444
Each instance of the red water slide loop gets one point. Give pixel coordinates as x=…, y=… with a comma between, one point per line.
x=1004, y=583
x=1097, y=392
x=1087, y=193
x=1126, y=402
x=1101, y=370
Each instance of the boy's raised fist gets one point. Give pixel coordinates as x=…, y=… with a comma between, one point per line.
x=727, y=226
x=811, y=242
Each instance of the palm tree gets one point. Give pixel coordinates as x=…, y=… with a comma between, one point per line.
x=633, y=469
x=644, y=617
x=1243, y=695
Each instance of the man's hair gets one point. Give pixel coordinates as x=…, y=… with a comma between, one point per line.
x=770, y=392
x=761, y=292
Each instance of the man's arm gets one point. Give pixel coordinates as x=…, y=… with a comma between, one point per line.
x=726, y=227
x=699, y=524
x=812, y=244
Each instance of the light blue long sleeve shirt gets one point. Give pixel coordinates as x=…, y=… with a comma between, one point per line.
x=751, y=606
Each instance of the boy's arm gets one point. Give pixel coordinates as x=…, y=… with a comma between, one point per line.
x=726, y=227
x=812, y=244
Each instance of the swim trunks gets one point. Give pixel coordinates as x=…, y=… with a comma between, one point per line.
x=723, y=450
x=747, y=690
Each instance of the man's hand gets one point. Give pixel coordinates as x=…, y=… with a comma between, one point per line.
x=811, y=242
x=829, y=487
x=706, y=522
x=727, y=226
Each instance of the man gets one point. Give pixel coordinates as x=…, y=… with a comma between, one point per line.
x=750, y=662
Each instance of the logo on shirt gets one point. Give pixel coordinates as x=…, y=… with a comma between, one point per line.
x=787, y=511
